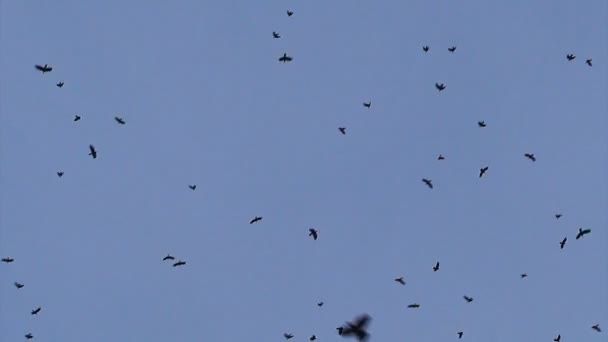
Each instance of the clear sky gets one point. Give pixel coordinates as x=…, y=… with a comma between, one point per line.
x=206, y=102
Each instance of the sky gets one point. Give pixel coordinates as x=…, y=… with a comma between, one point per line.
x=206, y=102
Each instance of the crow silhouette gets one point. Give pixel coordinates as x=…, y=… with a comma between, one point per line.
x=60, y=174
x=414, y=306
x=76, y=118
x=570, y=57
x=425, y=48
x=481, y=123
x=452, y=49
x=367, y=104
x=179, y=263
x=342, y=130
x=523, y=275
x=313, y=232
x=558, y=338
x=441, y=157
x=8, y=260
x=460, y=334
x=557, y=216
x=93, y=152
x=400, y=280
x=285, y=58
x=169, y=257
x=436, y=267
x=320, y=304
x=18, y=285
x=596, y=328
x=563, y=243
x=440, y=86
x=582, y=232
x=356, y=328
x=287, y=336
x=275, y=35
x=44, y=68
x=530, y=156
x=255, y=219
x=36, y=311
x=482, y=171
x=312, y=338
x=192, y=187
x=428, y=182
x=29, y=336
x=589, y=62
x=59, y=84
x=289, y=13
x=119, y=120
x=468, y=299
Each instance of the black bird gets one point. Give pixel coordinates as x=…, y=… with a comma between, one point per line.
x=169, y=257
x=93, y=152
x=289, y=13
x=179, y=263
x=287, y=336
x=18, y=285
x=342, y=130
x=367, y=104
x=563, y=243
x=530, y=156
x=275, y=35
x=441, y=157
x=414, y=306
x=119, y=120
x=8, y=260
x=481, y=123
x=29, y=336
x=483, y=170
x=320, y=304
x=589, y=62
x=60, y=84
x=468, y=299
x=36, y=311
x=452, y=49
x=356, y=328
x=559, y=337
x=44, y=68
x=428, y=182
x=340, y=330
x=400, y=280
x=582, y=233
x=255, y=219
x=312, y=338
x=460, y=334
x=285, y=58
x=60, y=173
x=76, y=118
x=557, y=216
x=436, y=267
x=425, y=48
x=192, y=187
x=440, y=86
x=596, y=328
x=313, y=232
x=523, y=275
x=570, y=57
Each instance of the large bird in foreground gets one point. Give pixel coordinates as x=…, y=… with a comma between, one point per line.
x=44, y=68
x=582, y=232
x=285, y=58
x=93, y=152
x=356, y=328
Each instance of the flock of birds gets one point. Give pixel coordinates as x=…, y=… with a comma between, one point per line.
x=358, y=327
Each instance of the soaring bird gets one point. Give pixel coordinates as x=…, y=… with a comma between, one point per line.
x=76, y=118
x=596, y=328
x=589, y=62
x=582, y=232
x=342, y=130
x=289, y=13
x=439, y=86
x=320, y=304
x=169, y=257
x=460, y=334
x=29, y=336
x=18, y=285
x=36, y=311
x=312, y=338
x=481, y=123
x=452, y=49
x=93, y=152
x=428, y=182
x=483, y=170
x=570, y=57
x=44, y=68
x=192, y=187
x=119, y=120
x=179, y=263
x=285, y=58
x=313, y=232
x=8, y=260
x=414, y=306
x=523, y=275
x=563, y=243
x=425, y=48
x=60, y=173
x=557, y=216
x=436, y=267
x=441, y=157
x=558, y=338
x=356, y=328
x=255, y=219
x=275, y=35
x=367, y=104
x=400, y=280
x=468, y=299
x=59, y=84
x=287, y=336
x=530, y=156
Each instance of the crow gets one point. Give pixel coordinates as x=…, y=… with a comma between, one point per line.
x=255, y=219
x=559, y=337
x=582, y=233
x=356, y=328
x=60, y=173
x=192, y=187
x=287, y=336
x=36, y=311
x=425, y=48
x=436, y=267
x=481, y=123
x=285, y=58
x=18, y=285
x=530, y=156
x=452, y=49
x=313, y=232
x=523, y=275
x=414, y=306
x=119, y=120
x=563, y=243
x=441, y=157
x=557, y=216
x=59, y=84
x=342, y=130
x=400, y=280
x=8, y=260
x=312, y=338
x=483, y=170
x=428, y=182
x=275, y=35
x=93, y=152
x=460, y=334
x=320, y=304
x=76, y=118
x=289, y=13
x=570, y=57
x=596, y=328
x=367, y=104
x=179, y=263
x=29, y=336
x=169, y=257
x=468, y=299
x=440, y=86
x=44, y=68
x=589, y=62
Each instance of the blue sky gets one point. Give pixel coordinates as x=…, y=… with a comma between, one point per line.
x=206, y=102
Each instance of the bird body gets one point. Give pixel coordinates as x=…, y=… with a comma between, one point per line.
x=36, y=311
x=425, y=48
x=275, y=35
x=119, y=120
x=169, y=257
x=436, y=267
x=59, y=84
x=289, y=13
x=93, y=152
x=255, y=219
x=588, y=62
x=18, y=285
x=285, y=58
x=414, y=306
x=596, y=328
x=530, y=156
x=428, y=182
x=570, y=57
x=452, y=49
x=367, y=104
x=179, y=263
x=8, y=260
x=582, y=232
x=563, y=243
x=342, y=130
x=60, y=174
x=313, y=232
x=76, y=118
x=468, y=299
x=400, y=280
x=287, y=336
x=356, y=328
x=44, y=68
x=192, y=187
x=482, y=171
x=481, y=123
x=440, y=86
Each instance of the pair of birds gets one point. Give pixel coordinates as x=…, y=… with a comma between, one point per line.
x=426, y=48
x=288, y=336
x=570, y=57
x=172, y=258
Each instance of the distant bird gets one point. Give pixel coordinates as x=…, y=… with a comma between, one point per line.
x=60, y=173
x=287, y=336
x=558, y=338
x=179, y=263
x=320, y=304
x=530, y=156
x=596, y=328
x=441, y=157
x=8, y=260
x=414, y=306
x=483, y=170
x=119, y=120
x=342, y=130
x=29, y=336
x=452, y=49
x=582, y=233
x=460, y=334
x=289, y=13
x=428, y=182
x=570, y=57
x=169, y=257
x=275, y=35
x=93, y=152
x=59, y=84
x=285, y=58
x=557, y=216
x=425, y=48
x=400, y=280
x=436, y=267
x=18, y=285
x=312, y=338
x=76, y=118
x=36, y=311
x=255, y=219
x=563, y=243
x=313, y=232
x=439, y=86
x=523, y=275
x=356, y=328
x=192, y=187
x=468, y=299
x=481, y=123
x=44, y=68
x=367, y=104
x=589, y=62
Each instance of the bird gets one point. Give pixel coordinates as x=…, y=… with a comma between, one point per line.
x=460, y=334
x=8, y=260
x=289, y=13
x=320, y=304
x=313, y=232
x=557, y=216
x=36, y=311
x=428, y=182
x=468, y=299
x=452, y=49
x=275, y=35
x=436, y=267
x=439, y=86
x=93, y=152
x=582, y=232
x=367, y=104
x=559, y=337
x=530, y=156
x=59, y=84
x=481, y=123
x=482, y=171
x=312, y=338
x=563, y=243
x=596, y=328
x=414, y=306
x=523, y=275
x=342, y=130
x=441, y=157
x=119, y=120
x=60, y=173
x=287, y=336
x=169, y=257
x=44, y=68
x=29, y=336
x=179, y=263
x=76, y=118
x=192, y=187
x=400, y=280
x=356, y=328
x=285, y=58
x=589, y=62
x=570, y=57
x=18, y=285
x=425, y=48
x=255, y=219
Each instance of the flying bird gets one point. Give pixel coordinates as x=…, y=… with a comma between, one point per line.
x=367, y=104
x=29, y=336
x=481, y=123
x=169, y=257
x=436, y=267
x=452, y=49
x=289, y=13
x=570, y=57
x=589, y=62
x=342, y=130
x=428, y=182
x=275, y=35
x=596, y=328
x=563, y=243
x=582, y=233
x=441, y=157
x=36, y=311
x=320, y=304
x=18, y=285
x=8, y=260
x=414, y=306
x=255, y=219
x=60, y=173
x=192, y=187
x=93, y=152
x=44, y=68
x=482, y=171
x=425, y=48
x=530, y=156
x=558, y=338
x=356, y=328
x=76, y=117
x=557, y=216
x=119, y=120
x=313, y=232
x=440, y=86
x=523, y=275
x=287, y=336
x=179, y=263
x=285, y=58
x=468, y=299
x=312, y=338
x=400, y=280
x=460, y=334
x=59, y=84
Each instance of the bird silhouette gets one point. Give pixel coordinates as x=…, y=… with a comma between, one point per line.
x=289, y=13
x=367, y=104
x=192, y=187
x=400, y=280
x=596, y=328
x=356, y=328
x=60, y=174
x=460, y=334
x=570, y=57
x=312, y=338
x=563, y=243
x=169, y=257
x=44, y=68
x=557, y=216
x=582, y=232
x=287, y=336
x=342, y=130
x=8, y=260
x=59, y=84
x=313, y=232
x=255, y=219
x=523, y=275
x=18, y=285
x=179, y=263
x=320, y=304
x=76, y=117
x=481, y=123
x=275, y=35
x=482, y=171
x=29, y=336
x=440, y=86
x=441, y=157
x=436, y=267
x=452, y=49
x=425, y=48
x=530, y=156
x=93, y=152
x=119, y=120
x=589, y=62
x=36, y=311
x=428, y=182
x=468, y=299
x=558, y=338
x=285, y=58
x=414, y=306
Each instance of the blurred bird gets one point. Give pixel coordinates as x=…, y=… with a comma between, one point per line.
x=557, y=216
x=570, y=57
x=287, y=336
x=169, y=257
x=530, y=156
x=589, y=62
x=255, y=219
x=36, y=311
x=320, y=304
x=440, y=86
x=93, y=152
x=441, y=157
x=400, y=280
x=59, y=84
x=482, y=171
x=119, y=120
x=596, y=328
x=558, y=338
x=452, y=49
x=460, y=334
x=312, y=338
x=179, y=263
x=468, y=299
x=29, y=336
x=275, y=35
x=428, y=182
x=8, y=260
x=313, y=233
x=18, y=285
x=582, y=233
x=285, y=58
x=523, y=275
x=356, y=328
x=44, y=68
x=436, y=267
x=367, y=104
x=289, y=13
x=60, y=173
x=192, y=187
x=342, y=130
x=481, y=123
x=425, y=48
x=563, y=243
x=414, y=306
x=76, y=118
